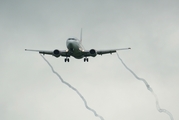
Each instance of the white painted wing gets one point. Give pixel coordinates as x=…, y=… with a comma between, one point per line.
x=101, y=52
x=94, y=52
x=56, y=53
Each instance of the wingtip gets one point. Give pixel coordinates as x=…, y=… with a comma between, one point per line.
x=129, y=48
x=26, y=49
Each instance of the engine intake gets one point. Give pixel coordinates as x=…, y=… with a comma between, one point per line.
x=93, y=52
x=56, y=53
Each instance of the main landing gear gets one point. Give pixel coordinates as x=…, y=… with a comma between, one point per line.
x=67, y=60
x=85, y=59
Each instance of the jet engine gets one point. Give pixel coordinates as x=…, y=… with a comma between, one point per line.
x=56, y=53
x=93, y=52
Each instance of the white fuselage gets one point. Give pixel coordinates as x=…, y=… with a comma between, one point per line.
x=75, y=48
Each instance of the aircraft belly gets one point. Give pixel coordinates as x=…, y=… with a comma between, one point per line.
x=77, y=54
x=75, y=50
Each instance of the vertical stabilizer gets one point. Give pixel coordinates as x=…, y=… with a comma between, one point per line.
x=81, y=36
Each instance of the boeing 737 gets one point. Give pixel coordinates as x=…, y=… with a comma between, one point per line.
x=76, y=49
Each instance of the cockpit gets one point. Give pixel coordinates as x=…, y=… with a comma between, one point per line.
x=72, y=39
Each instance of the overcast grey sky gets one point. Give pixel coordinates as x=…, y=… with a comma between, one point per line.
x=30, y=91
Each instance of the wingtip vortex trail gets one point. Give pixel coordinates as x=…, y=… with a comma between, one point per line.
x=74, y=89
x=149, y=88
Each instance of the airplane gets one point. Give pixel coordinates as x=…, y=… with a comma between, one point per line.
x=76, y=49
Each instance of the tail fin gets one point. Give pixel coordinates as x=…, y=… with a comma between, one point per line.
x=81, y=36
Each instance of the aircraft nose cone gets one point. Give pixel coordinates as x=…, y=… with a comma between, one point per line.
x=70, y=44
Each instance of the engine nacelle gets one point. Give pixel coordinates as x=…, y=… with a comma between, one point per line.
x=56, y=53
x=93, y=52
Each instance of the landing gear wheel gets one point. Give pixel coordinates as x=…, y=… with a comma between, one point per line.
x=85, y=59
x=67, y=60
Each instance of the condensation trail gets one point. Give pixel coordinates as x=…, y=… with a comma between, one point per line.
x=149, y=88
x=73, y=88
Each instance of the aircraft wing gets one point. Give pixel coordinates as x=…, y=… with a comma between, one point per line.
x=56, y=53
x=94, y=52
x=101, y=52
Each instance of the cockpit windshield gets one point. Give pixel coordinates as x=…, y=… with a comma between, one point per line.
x=71, y=38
